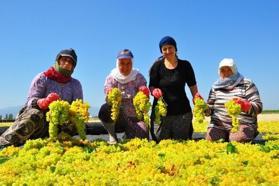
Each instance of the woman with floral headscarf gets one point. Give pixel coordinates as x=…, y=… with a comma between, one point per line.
x=231, y=85
x=129, y=81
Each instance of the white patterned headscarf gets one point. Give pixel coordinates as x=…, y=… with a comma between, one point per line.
x=118, y=76
x=228, y=62
x=228, y=82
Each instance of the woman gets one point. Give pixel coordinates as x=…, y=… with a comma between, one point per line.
x=53, y=84
x=169, y=75
x=128, y=80
x=233, y=86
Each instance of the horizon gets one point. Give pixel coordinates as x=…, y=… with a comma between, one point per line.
x=32, y=33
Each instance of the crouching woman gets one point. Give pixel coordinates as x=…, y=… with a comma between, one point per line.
x=128, y=81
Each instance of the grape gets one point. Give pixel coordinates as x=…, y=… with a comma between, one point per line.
x=199, y=110
x=142, y=107
x=79, y=115
x=58, y=114
x=160, y=110
x=233, y=110
x=114, y=99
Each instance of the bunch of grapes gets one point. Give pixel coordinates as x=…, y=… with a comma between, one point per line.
x=142, y=107
x=160, y=110
x=114, y=98
x=233, y=110
x=58, y=114
x=79, y=115
x=199, y=110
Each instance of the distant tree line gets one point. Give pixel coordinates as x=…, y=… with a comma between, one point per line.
x=7, y=118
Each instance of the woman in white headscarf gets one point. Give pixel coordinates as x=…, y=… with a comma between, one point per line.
x=232, y=85
x=128, y=80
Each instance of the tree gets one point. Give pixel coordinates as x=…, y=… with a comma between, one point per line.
x=11, y=116
x=1, y=118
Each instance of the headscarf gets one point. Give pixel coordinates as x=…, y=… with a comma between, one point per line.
x=116, y=74
x=59, y=74
x=228, y=83
x=69, y=53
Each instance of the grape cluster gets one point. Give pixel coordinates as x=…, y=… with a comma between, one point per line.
x=199, y=110
x=79, y=115
x=114, y=98
x=160, y=110
x=233, y=110
x=58, y=114
x=62, y=113
x=142, y=107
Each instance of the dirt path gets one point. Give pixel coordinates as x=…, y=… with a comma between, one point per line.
x=268, y=117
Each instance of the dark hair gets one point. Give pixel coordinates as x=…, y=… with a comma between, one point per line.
x=167, y=40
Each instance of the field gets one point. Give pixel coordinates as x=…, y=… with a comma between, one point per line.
x=142, y=162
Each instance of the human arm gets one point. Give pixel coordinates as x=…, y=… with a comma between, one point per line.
x=77, y=90
x=37, y=90
x=251, y=102
x=210, y=102
x=154, y=79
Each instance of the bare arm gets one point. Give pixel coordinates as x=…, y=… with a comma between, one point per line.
x=194, y=90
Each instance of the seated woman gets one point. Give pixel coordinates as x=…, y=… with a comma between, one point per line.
x=53, y=84
x=128, y=80
x=232, y=85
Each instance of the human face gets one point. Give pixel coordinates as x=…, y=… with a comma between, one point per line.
x=66, y=63
x=125, y=66
x=168, y=51
x=225, y=72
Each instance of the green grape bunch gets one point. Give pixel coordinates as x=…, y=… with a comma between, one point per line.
x=142, y=106
x=233, y=110
x=199, y=110
x=79, y=115
x=58, y=114
x=114, y=98
x=160, y=110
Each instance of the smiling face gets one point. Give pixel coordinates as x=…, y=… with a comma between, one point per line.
x=125, y=66
x=66, y=63
x=168, y=51
x=225, y=72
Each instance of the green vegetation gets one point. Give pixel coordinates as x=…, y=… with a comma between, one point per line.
x=270, y=111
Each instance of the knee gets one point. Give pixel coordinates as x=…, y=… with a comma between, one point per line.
x=104, y=113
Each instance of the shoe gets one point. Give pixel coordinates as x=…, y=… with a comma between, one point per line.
x=112, y=142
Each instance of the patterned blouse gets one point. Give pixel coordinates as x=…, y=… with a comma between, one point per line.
x=128, y=90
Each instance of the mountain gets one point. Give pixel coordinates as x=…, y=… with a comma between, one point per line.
x=15, y=109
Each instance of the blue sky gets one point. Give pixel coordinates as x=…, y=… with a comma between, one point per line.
x=33, y=32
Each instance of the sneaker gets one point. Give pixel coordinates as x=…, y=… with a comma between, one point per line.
x=112, y=142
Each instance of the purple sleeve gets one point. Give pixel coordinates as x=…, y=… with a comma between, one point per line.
x=41, y=86
x=37, y=89
x=77, y=91
x=140, y=80
x=109, y=83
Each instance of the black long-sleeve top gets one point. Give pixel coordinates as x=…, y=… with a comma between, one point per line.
x=172, y=83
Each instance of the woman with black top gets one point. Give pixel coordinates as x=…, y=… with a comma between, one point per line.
x=169, y=75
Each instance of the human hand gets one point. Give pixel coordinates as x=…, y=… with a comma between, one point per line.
x=108, y=90
x=52, y=97
x=197, y=96
x=145, y=90
x=157, y=93
x=43, y=103
x=244, y=104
